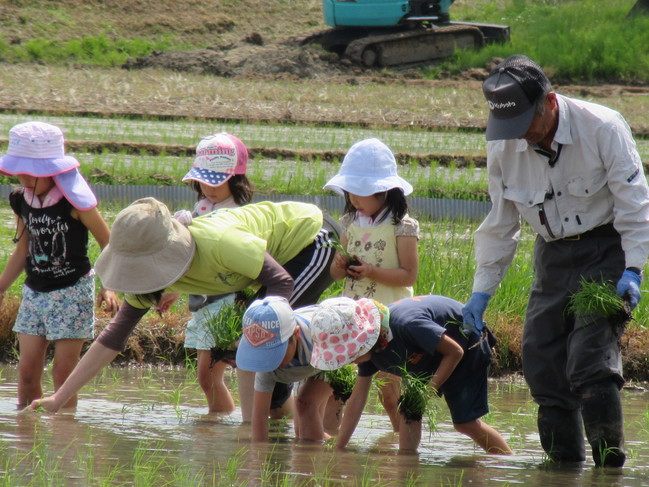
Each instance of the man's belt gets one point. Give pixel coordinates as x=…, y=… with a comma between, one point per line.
x=607, y=230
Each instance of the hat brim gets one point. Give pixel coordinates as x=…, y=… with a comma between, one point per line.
x=205, y=176
x=76, y=189
x=367, y=186
x=256, y=359
x=509, y=128
x=149, y=273
x=320, y=358
x=39, y=168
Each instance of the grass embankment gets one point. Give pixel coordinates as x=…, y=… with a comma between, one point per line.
x=576, y=40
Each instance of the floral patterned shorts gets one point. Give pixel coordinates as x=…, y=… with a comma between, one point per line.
x=63, y=313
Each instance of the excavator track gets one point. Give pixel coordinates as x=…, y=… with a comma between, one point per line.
x=414, y=46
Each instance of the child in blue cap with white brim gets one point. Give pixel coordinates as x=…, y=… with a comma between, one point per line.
x=276, y=344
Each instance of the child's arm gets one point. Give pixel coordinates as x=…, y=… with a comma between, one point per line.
x=338, y=269
x=16, y=263
x=452, y=353
x=260, y=407
x=404, y=275
x=353, y=410
x=94, y=222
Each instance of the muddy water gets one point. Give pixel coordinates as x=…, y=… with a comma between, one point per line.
x=137, y=422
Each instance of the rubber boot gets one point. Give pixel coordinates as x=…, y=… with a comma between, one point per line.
x=601, y=408
x=561, y=433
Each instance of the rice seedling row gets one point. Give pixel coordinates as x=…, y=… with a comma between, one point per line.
x=295, y=137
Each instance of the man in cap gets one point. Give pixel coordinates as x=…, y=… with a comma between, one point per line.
x=570, y=169
x=420, y=336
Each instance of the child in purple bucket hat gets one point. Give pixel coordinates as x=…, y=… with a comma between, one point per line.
x=55, y=208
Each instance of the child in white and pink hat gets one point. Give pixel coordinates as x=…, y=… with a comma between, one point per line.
x=55, y=208
x=422, y=336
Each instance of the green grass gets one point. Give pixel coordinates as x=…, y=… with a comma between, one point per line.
x=225, y=326
x=95, y=50
x=342, y=381
x=574, y=39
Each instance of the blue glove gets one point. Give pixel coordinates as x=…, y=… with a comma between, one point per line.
x=629, y=287
x=473, y=311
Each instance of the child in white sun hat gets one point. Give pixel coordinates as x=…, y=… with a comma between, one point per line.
x=55, y=208
x=218, y=176
x=276, y=344
x=422, y=336
x=378, y=233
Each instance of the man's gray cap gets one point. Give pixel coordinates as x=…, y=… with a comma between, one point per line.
x=512, y=90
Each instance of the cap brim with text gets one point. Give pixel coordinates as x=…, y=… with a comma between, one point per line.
x=268, y=324
x=512, y=90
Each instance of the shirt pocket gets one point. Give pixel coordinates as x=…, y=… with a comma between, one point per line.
x=582, y=189
x=526, y=200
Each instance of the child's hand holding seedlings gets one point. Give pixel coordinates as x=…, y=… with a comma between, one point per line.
x=360, y=270
x=340, y=261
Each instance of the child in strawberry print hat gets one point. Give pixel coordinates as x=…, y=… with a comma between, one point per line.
x=421, y=335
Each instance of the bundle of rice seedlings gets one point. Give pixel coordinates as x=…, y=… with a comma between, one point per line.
x=342, y=381
x=600, y=299
x=335, y=243
x=415, y=401
x=225, y=329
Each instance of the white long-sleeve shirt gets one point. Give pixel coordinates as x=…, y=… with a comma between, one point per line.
x=598, y=178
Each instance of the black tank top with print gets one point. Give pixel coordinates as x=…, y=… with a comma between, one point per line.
x=58, y=244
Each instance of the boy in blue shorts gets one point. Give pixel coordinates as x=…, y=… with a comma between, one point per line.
x=422, y=335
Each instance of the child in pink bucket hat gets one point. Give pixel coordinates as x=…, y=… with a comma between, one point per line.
x=421, y=335
x=55, y=208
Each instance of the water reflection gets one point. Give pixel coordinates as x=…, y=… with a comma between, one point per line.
x=145, y=426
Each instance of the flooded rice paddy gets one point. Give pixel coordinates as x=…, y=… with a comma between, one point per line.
x=148, y=426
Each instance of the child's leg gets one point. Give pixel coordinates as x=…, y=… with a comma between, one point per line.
x=282, y=404
x=67, y=352
x=389, y=393
x=485, y=436
x=210, y=378
x=313, y=394
x=409, y=434
x=246, y=388
x=30, y=367
x=332, y=414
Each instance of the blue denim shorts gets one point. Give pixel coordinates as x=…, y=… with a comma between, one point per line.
x=59, y=314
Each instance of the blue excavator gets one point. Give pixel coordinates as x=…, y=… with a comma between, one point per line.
x=384, y=33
